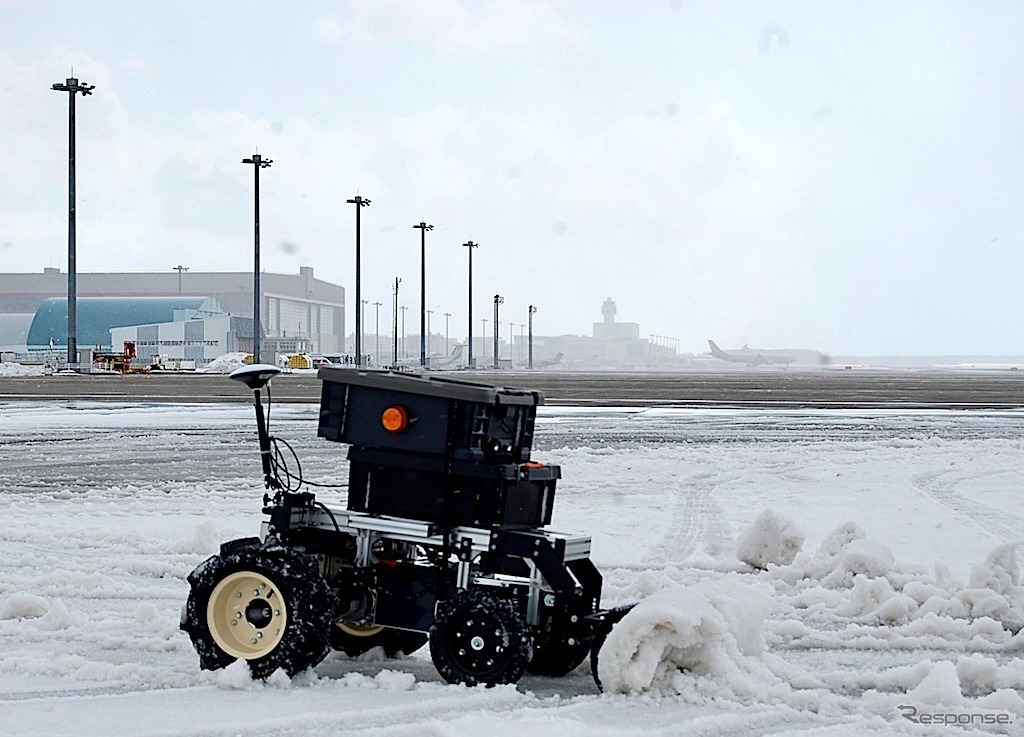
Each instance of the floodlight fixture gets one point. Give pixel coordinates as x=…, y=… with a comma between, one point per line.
x=257, y=162
x=73, y=87
x=360, y=202
x=423, y=228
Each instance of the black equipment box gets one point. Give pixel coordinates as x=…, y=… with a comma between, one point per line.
x=432, y=415
x=472, y=494
x=438, y=449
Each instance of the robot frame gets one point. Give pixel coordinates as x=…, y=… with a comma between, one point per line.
x=443, y=541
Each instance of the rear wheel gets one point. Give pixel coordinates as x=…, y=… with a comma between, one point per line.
x=265, y=604
x=354, y=639
x=480, y=638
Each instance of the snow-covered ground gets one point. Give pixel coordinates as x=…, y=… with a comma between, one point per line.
x=879, y=583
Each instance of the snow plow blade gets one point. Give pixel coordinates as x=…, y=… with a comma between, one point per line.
x=603, y=624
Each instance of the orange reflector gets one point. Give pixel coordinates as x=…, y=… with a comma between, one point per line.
x=533, y=464
x=395, y=419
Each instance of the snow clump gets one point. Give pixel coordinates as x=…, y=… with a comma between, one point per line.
x=224, y=364
x=9, y=369
x=704, y=641
x=23, y=606
x=771, y=539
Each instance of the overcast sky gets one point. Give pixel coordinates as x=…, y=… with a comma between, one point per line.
x=842, y=176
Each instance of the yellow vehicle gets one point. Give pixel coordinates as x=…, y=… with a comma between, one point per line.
x=298, y=361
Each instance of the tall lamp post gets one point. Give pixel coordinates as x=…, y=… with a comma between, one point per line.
x=394, y=326
x=429, y=313
x=498, y=299
x=362, y=312
x=423, y=228
x=179, y=268
x=72, y=86
x=360, y=203
x=470, y=245
x=446, y=316
x=258, y=163
x=377, y=331
x=405, y=348
x=530, y=342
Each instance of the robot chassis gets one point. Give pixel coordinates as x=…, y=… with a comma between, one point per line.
x=442, y=542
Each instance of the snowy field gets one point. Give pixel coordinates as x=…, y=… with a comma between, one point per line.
x=884, y=586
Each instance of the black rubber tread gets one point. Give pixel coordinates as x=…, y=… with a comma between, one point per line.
x=309, y=600
x=507, y=644
x=392, y=641
x=557, y=659
x=612, y=618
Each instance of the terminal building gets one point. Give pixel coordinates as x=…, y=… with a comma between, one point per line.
x=191, y=315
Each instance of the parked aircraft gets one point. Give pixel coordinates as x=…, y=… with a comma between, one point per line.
x=435, y=362
x=549, y=362
x=750, y=356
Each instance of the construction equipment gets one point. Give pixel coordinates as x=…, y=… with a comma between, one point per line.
x=118, y=362
x=443, y=540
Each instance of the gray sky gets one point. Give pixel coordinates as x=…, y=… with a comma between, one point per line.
x=842, y=176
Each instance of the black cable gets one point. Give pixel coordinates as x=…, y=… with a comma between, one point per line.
x=329, y=514
x=279, y=462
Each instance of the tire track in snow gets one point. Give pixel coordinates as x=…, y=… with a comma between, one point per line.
x=696, y=518
x=941, y=486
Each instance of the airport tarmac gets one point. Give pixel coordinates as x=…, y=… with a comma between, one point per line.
x=754, y=388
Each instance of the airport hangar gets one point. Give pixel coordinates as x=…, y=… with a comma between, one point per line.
x=183, y=313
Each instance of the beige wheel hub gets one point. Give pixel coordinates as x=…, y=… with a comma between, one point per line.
x=246, y=615
x=358, y=630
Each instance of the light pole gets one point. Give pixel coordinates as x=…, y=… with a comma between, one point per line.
x=405, y=348
x=72, y=86
x=470, y=245
x=394, y=326
x=360, y=203
x=179, y=268
x=446, y=316
x=498, y=299
x=532, y=310
x=258, y=163
x=423, y=228
x=429, y=313
x=362, y=313
x=376, y=330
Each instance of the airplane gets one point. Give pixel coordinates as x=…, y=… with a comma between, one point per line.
x=434, y=362
x=454, y=358
x=549, y=362
x=751, y=357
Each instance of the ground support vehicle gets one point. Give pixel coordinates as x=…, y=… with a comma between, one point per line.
x=443, y=540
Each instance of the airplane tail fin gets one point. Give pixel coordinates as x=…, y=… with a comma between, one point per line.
x=715, y=350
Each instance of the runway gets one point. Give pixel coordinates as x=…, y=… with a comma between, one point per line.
x=754, y=388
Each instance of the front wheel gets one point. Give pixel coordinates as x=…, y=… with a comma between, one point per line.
x=265, y=604
x=480, y=638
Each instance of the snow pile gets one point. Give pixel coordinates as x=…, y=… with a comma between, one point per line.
x=771, y=539
x=858, y=578
x=224, y=364
x=8, y=369
x=23, y=606
x=704, y=641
